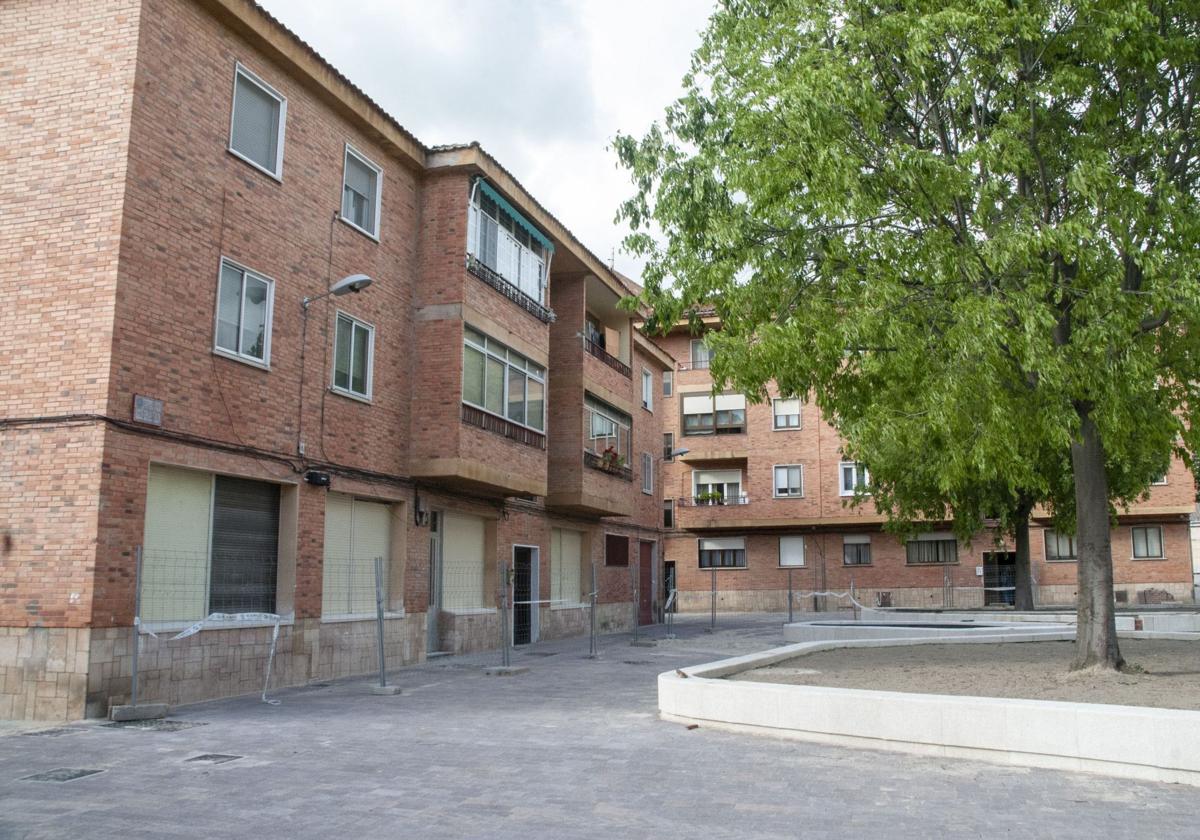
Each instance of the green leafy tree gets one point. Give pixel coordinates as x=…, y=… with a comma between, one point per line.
x=992, y=205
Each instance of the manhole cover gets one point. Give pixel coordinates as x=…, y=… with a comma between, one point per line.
x=54, y=733
x=214, y=758
x=61, y=774
x=155, y=725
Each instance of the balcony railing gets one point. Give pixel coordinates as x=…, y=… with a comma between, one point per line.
x=497, y=282
x=608, y=359
x=473, y=416
x=695, y=364
x=702, y=501
x=608, y=465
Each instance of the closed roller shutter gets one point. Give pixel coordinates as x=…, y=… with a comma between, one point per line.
x=356, y=532
x=245, y=544
x=462, y=562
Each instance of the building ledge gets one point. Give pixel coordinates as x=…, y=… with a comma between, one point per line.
x=477, y=477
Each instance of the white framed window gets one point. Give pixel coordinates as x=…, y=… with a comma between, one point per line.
x=362, y=188
x=507, y=243
x=608, y=434
x=256, y=124
x=1060, y=548
x=647, y=389
x=717, y=487
x=786, y=414
x=502, y=382
x=791, y=551
x=1159, y=481
x=647, y=473
x=723, y=553
x=853, y=478
x=245, y=300
x=668, y=383
x=353, y=352
x=1147, y=542
x=856, y=550
x=789, y=481
x=701, y=355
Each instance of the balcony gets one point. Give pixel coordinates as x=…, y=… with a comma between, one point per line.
x=473, y=416
x=496, y=281
x=595, y=482
x=593, y=347
x=612, y=466
x=712, y=501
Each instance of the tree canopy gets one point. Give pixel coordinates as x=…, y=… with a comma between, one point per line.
x=969, y=224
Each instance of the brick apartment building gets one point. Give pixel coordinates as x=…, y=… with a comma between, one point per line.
x=763, y=492
x=184, y=182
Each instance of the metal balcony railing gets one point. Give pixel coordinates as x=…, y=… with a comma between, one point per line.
x=496, y=281
x=608, y=465
x=608, y=359
x=703, y=501
x=498, y=425
x=697, y=364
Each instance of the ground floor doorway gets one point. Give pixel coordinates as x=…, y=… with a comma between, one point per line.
x=524, y=594
x=999, y=578
x=646, y=583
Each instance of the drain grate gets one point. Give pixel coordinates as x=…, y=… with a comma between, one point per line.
x=213, y=758
x=155, y=725
x=541, y=653
x=61, y=774
x=638, y=662
x=53, y=733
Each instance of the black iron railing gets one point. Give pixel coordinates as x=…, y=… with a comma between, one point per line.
x=498, y=425
x=706, y=501
x=608, y=358
x=496, y=281
x=696, y=364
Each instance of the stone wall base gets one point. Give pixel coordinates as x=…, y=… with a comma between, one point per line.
x=43, y=672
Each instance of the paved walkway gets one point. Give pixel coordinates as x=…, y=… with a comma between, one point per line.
x=571, y=749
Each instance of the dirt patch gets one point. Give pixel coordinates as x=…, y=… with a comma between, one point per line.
x=1031, y=670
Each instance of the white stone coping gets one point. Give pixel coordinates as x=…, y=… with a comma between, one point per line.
x=345, y=618
x=1130, y=741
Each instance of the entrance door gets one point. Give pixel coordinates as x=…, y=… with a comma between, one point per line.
x=999, y=579
x=646, y=584
x=524, y=575
x=668, y=580
x=433, y=642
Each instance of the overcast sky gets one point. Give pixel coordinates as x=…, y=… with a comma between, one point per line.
x=543, y=85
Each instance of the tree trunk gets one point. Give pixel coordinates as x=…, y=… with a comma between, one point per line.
x=1023, y=599
x=1096, y=624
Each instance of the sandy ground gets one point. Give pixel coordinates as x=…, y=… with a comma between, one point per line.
x=1033, y=670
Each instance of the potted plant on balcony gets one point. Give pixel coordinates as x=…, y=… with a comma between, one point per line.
x=709, y=497
x=611, y=460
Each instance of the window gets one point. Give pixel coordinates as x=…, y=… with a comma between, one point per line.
x=566, y=567
x=353, y=345
x=789, y=481
x=647, y=390
x=1159, y=480
x=501, y=238
x=786, y=413
x=724, y=414
x=257, y=123
x=362, y=183
x=244, y=301
x=791, y=551
x=503, y=382
x=854, y=478
x=723, y=553
x=668, y=513
x=356, y=532
x=1059, y=547
x=668, y=383
x=607, y=432
x=210, y=545
x=647, y=473
x=668, y=446
x=936, y=548
x=856, y=550
x=701, y=354
x=717, y=487
x=1147, y=543
x=616, y=550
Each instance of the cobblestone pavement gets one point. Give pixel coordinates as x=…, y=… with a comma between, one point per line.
x=572, y=748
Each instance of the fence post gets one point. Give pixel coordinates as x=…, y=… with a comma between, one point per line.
x=595, y=594
x=137, y=620
x=506, y=658
x=634, y=588
x=713, y=620
x=379, y=620
x=853, y=599
x=790, y=619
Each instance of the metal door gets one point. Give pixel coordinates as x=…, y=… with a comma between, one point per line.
x=433, y=642
x=646, y=584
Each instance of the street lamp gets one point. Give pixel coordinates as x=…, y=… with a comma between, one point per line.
x=351, y=283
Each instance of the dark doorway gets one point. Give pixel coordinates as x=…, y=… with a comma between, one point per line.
x=522, y=595
x=646, y=584
x=999, y=578
x=668, y=580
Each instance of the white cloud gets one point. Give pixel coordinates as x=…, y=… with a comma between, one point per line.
x=543, y=86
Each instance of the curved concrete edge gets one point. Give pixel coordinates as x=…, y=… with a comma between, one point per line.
x=1134, y=742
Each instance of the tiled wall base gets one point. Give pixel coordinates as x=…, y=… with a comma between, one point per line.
x=43, y=672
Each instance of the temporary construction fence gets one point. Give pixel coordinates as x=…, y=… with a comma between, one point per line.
x=519, y=611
